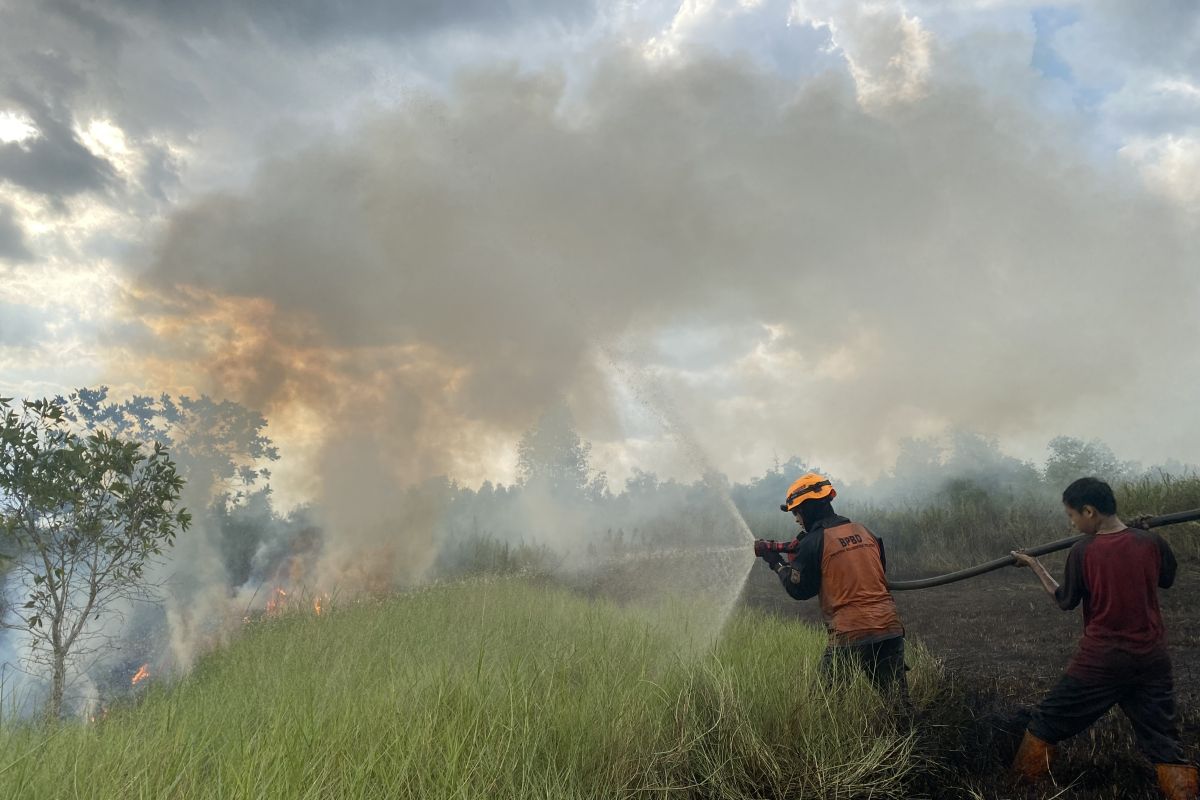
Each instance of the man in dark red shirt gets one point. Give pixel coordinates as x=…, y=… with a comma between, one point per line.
x=1115, y=572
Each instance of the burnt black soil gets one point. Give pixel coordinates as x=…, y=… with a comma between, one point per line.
x=1003, y=643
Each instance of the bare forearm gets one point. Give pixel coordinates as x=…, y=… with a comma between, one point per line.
x=1048, y=582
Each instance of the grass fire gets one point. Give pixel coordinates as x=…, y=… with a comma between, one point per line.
x=141, y=675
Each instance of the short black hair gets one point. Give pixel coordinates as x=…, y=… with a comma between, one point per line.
x=1090, y=492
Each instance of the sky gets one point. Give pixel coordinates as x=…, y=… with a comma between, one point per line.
x=812, y=227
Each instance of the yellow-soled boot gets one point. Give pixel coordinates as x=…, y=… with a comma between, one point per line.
x=1033, y=759
x=1178, y=781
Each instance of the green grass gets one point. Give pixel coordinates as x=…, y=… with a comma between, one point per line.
x=500, y=688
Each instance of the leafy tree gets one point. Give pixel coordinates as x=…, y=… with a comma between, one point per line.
x=220, y=449
x=552, y=456
x=955, y=465
x=219, y=446
x=641, y=484
x=978, y=458
x=763, y=494
x=84, y=514
x=965, y=495
x=1072, y=458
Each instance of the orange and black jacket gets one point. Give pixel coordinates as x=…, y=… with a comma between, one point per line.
x=843, y=564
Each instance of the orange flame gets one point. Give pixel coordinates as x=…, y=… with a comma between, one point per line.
x=281, y=601
x=278, y=598
x=142, y=673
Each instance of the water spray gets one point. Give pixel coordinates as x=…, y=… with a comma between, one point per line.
x=732, y=561
x=653, y=399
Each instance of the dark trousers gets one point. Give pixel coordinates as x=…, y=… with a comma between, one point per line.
x=883, y=663
x=1147, y=696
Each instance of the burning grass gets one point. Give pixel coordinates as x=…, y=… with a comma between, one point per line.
x=499, y=688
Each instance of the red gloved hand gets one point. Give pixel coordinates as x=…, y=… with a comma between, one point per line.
x=770, y=551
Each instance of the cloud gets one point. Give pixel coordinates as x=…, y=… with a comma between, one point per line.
x=20, y=325
x=201, y=90
x=1165, y=37
x=54, y=162
x=1171, y=164
x=1136, y=55
x=782, y=43
x=12, y=238
x=888, y=51
x=315, y=20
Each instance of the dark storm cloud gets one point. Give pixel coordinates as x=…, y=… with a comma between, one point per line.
x=315, y=20
x=233, y=71
x=53, y=163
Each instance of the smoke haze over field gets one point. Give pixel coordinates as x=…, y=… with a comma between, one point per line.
x=403, y=233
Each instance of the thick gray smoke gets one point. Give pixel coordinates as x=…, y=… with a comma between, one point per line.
x=437, y=276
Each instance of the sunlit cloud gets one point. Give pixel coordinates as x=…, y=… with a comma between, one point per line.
x=16, y=126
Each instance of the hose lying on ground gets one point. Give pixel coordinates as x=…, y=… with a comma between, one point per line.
x=1040, y=550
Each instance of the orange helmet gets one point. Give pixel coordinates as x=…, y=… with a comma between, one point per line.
x=810, y=486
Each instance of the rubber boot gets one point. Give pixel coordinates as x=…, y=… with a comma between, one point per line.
x=1178, y=781
x=1032, y=761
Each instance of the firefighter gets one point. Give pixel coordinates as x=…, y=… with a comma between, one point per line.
x=1115, y=572
x=842, y=563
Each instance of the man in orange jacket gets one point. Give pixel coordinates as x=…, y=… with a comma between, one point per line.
x=843, y=564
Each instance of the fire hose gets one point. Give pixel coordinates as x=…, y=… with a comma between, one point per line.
x=1007, y=561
